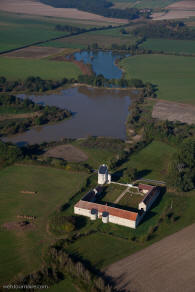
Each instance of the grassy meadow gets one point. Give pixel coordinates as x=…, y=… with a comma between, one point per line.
x=152, y=162
x=22, y=251
x=174, y=75
x=170, y=46
x=19, y=68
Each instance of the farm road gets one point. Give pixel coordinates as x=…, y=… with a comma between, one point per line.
x=165, y=266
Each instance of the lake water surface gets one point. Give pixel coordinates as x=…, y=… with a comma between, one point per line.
x=102, y=63
x=98, y=112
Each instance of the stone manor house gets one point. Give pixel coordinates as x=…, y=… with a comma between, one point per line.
x=89, y=207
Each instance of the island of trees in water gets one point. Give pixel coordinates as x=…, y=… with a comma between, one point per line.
x=13, y=120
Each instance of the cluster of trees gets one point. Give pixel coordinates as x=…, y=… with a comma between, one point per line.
x=101, y=7
x=165, y=29
x=62, y=224
x=101, y=81
x=32, y=83
x=9, y=154
x=9, y=102
x=69, y=28
x=182, y=169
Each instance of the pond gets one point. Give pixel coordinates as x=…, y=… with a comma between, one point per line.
x=103, y=62
x=97, y=112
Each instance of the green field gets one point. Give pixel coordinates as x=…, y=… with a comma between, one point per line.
x=22, y=251
x=17, y=68
x=152, y=162
x=17, y=31
x=174, y=75
x=171, y=46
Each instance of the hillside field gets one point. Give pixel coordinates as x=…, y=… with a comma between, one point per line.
x=18, y=68
x=170, y=46
x=173, y=75
x=22, y=251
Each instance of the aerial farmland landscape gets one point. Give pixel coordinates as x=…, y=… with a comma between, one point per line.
x=97, y=145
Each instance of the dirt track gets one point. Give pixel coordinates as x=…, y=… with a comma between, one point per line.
x=172, y=111
x=166, y=266
x=34, y=52
x=19, y=116
x=36, y=8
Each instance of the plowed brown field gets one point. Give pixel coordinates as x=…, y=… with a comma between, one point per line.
x=166, y=266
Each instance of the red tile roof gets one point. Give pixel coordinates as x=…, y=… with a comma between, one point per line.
x=111, y=210
x=145, y=187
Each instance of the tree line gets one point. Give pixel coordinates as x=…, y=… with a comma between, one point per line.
x=100, y=81
x=32, y=83
x=36, y=84
x=69, y=28
x=176, y=30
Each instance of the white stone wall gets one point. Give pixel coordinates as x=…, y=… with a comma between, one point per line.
x=81, y=211
x=102, y=178
x=142, y=205
x=122, y=221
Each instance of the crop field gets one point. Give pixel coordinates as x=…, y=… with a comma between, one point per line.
x=170, y=46
x=14, y=69
x=22, y=250
x=18, y=30
x=173, y=75
x=156, y=263
x=104, y=39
